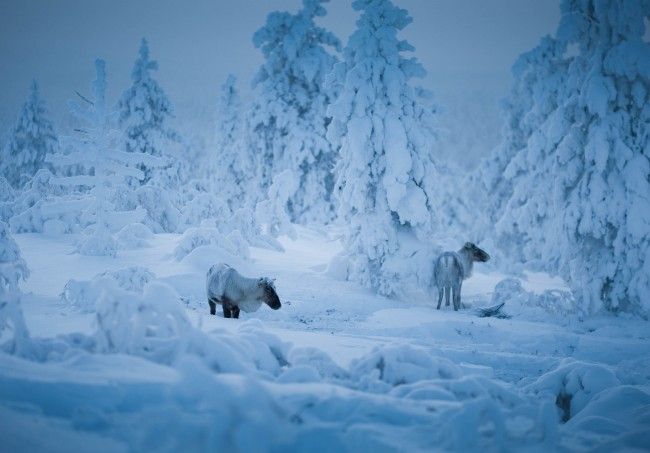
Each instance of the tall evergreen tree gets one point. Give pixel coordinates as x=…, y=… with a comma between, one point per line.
x=386, y=170
x=30, y=140
x=145, y=110
x=287, y=121
x=581, y=185
x=232, y=169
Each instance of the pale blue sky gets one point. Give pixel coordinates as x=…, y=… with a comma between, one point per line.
x=462, y=43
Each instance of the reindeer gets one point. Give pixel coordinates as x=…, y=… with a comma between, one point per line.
x=451, y=268
x=228, y=288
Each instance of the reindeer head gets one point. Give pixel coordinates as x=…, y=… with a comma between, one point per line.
x=270, y=296
x=476, y=253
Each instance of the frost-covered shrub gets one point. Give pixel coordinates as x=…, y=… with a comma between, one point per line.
x=577, y=171
x=392, y=365
x=518, y=300
x=133, y=235
x=7, y=200
x=244, y=221
x=31, y=139
x=84, y=295
x=197, y=237
x=13, y=270
x=148, y=324
x=272, y=212
x=162, y=216
x=572, y=385
x=286, y=124
x=204, y=206
x=386, y=173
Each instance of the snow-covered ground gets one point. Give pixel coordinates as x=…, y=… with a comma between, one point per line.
x=336, y=368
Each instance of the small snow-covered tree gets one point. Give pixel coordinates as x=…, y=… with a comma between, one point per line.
x=145, y=110
x=581, y=186
x=31, y=139
x=386, y=171
x=96, y=145
x=12, y=271
x=272, y=211
x=287, y=121
x=232, y=168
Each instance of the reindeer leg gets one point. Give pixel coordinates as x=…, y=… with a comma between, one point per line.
x=447, y=295
x=226, y=309
x=213, y=306
x=441, y=292
x=235, y=311
x=457, y=297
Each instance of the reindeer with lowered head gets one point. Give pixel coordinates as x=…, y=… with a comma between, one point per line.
x=451, y=268
x=228, y=288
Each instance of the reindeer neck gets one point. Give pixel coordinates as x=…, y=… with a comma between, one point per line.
x=466, y=261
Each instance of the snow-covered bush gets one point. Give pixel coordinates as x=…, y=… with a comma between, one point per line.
x=200, y=236
x=272, y=212
x=386, y=173
x=205, y=205
x=286, y=124
x=392, y=365
x=133, y=235
x=148, y=324
x=160, y=213
x=145, y=111
x=519, y=301
x=579, y=171
x=31, y=139
x=572, y=385
x=84, y=295
x=13, y=270
x=318, y=361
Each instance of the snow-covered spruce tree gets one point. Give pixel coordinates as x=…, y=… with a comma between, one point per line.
x=96, y=146
x=30, y=140
x=232, y=168
x=145, y=111
x=272, y=212
x=287, y=121
x=527, y=140
x=12, y=270
x=593, y=227
x=386, y=170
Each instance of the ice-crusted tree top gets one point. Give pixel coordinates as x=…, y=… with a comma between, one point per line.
x=145, y=109
x=31, y=139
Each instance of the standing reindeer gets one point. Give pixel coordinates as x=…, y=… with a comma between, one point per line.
x=452, y=268
x=228, y=288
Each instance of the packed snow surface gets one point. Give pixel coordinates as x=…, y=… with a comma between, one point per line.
x=124, y=356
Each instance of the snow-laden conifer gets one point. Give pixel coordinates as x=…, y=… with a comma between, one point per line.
x=31, y=139
x=581, y=184
x=95, y=144
x=145, y=110
x=386, y=171
x=287, y=121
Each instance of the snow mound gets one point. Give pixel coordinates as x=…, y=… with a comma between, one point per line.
x=572, y=385
x=393, y=365
x=133, y=235
x=83, y=295
x=194, y=238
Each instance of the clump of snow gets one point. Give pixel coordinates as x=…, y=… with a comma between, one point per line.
x=392, y=365
x=84, y=295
